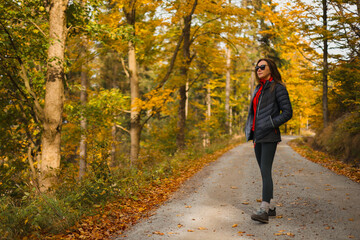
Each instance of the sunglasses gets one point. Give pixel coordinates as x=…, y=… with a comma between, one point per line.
x=262, y=67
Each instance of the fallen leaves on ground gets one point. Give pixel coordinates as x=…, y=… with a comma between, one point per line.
x=116, y=217
x=282, y=232
x=326, y=160
x=202, y=228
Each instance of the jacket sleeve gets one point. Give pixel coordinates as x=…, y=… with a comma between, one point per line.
x=283, y=100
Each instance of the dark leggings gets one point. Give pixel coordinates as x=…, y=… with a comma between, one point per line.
x=265, y=153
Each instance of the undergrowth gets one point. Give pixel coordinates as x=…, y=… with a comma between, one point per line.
x=304, y=148
x=36, y=214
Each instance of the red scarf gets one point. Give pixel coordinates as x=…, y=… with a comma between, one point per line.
x=256, y=99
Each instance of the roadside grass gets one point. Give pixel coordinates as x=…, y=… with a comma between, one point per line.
x=349, y=170
x=105, y=203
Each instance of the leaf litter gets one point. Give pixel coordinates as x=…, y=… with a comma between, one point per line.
x=116, y=217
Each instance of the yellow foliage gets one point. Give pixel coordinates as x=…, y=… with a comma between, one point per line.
x=156, y=101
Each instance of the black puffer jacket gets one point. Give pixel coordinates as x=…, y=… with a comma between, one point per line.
x=273, y=110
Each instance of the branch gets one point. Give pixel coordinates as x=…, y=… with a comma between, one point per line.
x=46, y=36
x=122, y=128
x=192, y=57
x=194, y=80
x=67, y=30
x=31, y=163
x=14, y=82
x=125, y=68
x=341, y=12
x=24, y=97
x=198, y=28
x=193, y=8
x=231, y=44
x=306, y=57
x=125, y=111
x=147, y=119
x=198, y=76
x=38, y=109
x=172, y=62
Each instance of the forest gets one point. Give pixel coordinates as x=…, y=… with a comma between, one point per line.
x=101, y=98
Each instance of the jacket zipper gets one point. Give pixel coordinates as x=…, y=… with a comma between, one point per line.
x=257, y=110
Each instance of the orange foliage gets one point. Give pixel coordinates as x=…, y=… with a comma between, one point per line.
x=327, y=161
x=116, y=217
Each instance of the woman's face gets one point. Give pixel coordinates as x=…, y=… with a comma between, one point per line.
x=263, y=74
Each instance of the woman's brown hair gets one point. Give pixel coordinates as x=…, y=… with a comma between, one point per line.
x=274, y=72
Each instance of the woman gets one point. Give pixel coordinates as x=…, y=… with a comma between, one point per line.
x=269, y=109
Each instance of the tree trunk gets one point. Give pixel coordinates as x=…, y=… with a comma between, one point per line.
x=251, y=87
x=135, y=127
x=206, y=141
x=181, y=124
x=54, y=95
x=325, y=67
x=230, y=120
x=227, y=90
x=83, y=121
x=208, y=101
x=113, y=146
x=187, y=100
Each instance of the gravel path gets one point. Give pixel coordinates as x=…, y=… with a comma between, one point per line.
x=216, y=204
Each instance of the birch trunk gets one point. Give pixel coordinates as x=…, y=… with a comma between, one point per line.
x=54, y=95
x=227, y=90
x=251, y=87
x=206, y=141
x=230, y=120
x=181, y=124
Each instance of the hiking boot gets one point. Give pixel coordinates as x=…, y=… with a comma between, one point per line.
x=272, y=212
x=261, y=216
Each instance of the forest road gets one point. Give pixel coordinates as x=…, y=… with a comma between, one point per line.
x=216, y=203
